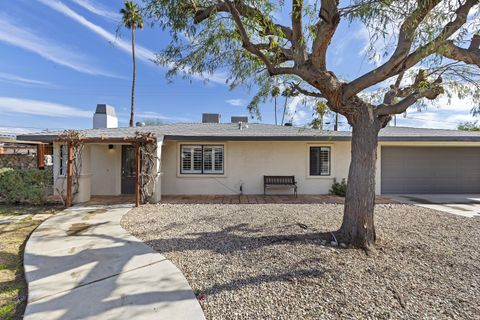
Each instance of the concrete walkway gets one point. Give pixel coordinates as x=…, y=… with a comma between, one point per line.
x=465, y=205
x=81, y=264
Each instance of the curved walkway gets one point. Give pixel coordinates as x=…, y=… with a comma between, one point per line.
x=81, y=264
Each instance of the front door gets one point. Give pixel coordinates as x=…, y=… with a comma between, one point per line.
x=129, y=164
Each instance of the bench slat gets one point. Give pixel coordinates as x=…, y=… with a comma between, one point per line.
x=278, y=181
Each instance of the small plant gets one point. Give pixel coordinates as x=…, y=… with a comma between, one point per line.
x=339, y=188
x=24, y=186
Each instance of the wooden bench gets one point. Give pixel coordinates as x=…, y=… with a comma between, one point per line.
x=278, y=182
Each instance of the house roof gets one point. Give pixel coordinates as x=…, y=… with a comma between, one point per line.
x=265, y=132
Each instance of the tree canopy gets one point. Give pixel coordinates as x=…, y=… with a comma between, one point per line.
x=428, y=47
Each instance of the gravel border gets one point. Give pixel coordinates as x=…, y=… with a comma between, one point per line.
x=274, y=261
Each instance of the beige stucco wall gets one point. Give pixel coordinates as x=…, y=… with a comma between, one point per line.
x=246, y=162
x=106, y=168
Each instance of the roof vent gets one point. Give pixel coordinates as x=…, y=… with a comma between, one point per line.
x=210, y=118
x=288, y=124
x=105, y=117
x=237, y=119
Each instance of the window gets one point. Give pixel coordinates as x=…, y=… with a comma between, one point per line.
x=201, y=159
x=319, y=161
x=63, y=159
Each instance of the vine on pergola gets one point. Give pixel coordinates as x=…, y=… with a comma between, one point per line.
x=73, y=137
x=148, y=169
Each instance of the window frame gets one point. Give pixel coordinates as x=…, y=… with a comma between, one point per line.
x=330, y=164
x=202, y=172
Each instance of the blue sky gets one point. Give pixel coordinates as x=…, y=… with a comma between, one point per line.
x=60, y=58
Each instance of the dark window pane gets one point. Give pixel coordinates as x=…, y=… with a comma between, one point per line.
x=319, y=161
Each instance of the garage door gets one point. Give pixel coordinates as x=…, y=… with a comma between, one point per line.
x=430, y=170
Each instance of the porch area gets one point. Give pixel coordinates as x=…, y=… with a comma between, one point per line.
x=235, y=199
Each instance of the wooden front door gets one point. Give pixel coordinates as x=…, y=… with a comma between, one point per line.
x=128, y=170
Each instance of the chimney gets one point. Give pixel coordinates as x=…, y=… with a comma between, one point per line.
x=105, y=117
x=237, y=119
x=210, y=118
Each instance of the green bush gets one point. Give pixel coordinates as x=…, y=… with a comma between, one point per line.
x=339, y=188
x=24, y=185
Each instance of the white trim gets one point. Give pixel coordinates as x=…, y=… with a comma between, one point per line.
x=199, y=175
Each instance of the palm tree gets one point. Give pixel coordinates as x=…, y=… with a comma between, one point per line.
x=275, y=93
x=319, y=113
x=287, y=93
x=132, y=19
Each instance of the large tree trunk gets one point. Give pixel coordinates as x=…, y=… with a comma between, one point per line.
x=358, y=226
x=132, y=108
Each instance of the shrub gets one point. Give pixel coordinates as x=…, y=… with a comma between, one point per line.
x=339, y=188
x=24, y=185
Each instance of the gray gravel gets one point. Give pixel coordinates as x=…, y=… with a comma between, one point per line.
x=260, y=262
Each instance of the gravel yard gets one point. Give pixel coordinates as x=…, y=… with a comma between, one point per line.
x=271, y=261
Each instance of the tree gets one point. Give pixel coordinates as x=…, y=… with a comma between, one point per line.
x=469, y=126
x=431, y=47
x=275, y=93
x=132, y=19
x=287, y=93
x=320, y=111
x=154, y=122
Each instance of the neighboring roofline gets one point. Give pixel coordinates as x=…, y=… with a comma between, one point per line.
x=15, y=141
x=47, y=138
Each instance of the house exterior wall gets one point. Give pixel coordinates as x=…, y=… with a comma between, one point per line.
x=246, y=162
x=106, y=168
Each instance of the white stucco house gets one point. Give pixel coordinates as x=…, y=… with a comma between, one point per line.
x=232, y=158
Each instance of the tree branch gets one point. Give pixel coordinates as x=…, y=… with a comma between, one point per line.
x=297, y=89
x=250, y=47
x=418, y=91
x=298, y=42
x=437, y=44
x=398, y=61
x=247, y=12
x=469, y=56
x=325, y=29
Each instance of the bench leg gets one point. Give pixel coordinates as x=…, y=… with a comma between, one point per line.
x=295, y=194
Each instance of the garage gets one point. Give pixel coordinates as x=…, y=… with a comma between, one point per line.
x=430, y=170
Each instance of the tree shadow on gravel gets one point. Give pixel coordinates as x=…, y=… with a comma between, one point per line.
x=228, y=241
x=293, y=276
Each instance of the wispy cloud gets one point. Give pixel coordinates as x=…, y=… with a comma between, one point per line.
x=444, y=114
x=142, y=53
x=11, y=78
x=21, y=37
x=41, y=108
x=98, y=9
x=236, y=102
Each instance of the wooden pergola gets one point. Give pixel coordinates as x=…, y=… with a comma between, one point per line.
x=134, y=141
x=40, y=149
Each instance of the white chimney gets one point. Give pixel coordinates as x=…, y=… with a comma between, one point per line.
x=105, y=117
